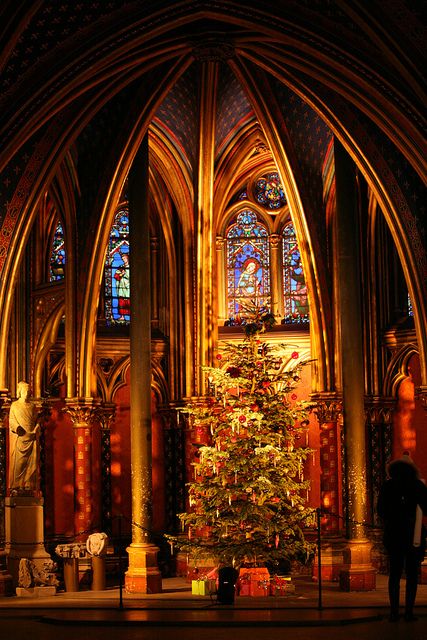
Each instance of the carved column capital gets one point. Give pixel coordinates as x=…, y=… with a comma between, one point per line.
x=82, y=411
x=220, y=242
x=4, y=405
x=328, y=406
x=275, y=239
x=421, y=395
x=106, y=414
x=379, y=410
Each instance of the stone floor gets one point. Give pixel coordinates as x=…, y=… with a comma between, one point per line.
x=176, y=614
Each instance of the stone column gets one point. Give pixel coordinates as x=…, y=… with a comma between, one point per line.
x=143, y=575
x=421, y=395
x=5, y=577
x=205, y=327
x=4, y=411
x=358, y=572
x=328, y=411
x=276, y=287
x=379, y=429
x=106, y=419
x=221, y=282
x=154, y=285
x=82, y=413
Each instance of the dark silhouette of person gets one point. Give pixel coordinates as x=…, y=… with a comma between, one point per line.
x=401, y=504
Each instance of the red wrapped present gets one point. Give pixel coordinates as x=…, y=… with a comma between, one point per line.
x=254, y=581
x=281, y=585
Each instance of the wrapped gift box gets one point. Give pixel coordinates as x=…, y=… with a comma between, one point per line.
x=202, y=587
x=254, y=581
x=281, y=585
x=244, y=585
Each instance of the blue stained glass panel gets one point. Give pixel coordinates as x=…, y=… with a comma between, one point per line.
x=57, y=255
x=269, y=192
x=117, y=271
x=294, y=285
x=248, y=264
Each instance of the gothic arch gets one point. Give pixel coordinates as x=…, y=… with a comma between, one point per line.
x=397, y=369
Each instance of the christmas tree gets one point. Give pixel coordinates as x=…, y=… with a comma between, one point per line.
x=247, y=501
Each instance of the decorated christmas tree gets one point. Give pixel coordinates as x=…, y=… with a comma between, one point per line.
x=247, y=500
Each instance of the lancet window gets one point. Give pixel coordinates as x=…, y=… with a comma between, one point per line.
x=57, y=254
x=294, y=286
x=248, y=264
x=117, y=271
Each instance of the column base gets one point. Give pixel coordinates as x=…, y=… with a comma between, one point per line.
x=358, y=579
x=331, y=562
x=358, y=573
x=143, y=575
x=423, y=573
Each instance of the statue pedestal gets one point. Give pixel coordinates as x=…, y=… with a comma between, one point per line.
x=36, y=592
x=24, y=533
x=6, y=587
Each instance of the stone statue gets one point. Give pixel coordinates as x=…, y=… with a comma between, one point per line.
x=96, y=544
x=32, y=575
x=24, y=473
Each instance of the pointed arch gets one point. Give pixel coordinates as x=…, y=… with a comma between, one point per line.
x=138, y=128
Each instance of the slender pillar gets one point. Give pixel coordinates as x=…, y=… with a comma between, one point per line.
x=358, y=573
x=328, y=411
x=205, y=240
x=82, y=414
x=106, y=418
x=276, y=290
x=421, y=395
x=220, y=279
x=6, y=585
x=4, y=410
x=143, y=575
x=154, y=286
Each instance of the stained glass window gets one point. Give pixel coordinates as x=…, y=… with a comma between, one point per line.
x=117, y=272
x=410, y=309
x=57, y=255
x=295, y=289
x=248, y=265
x=269, y=192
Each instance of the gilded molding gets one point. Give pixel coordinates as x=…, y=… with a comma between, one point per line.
x=275, y=239
x=82, y=412
x=379, y=410
x=328, y=407
x=421, y=395
x=4, y=405
x=106, y=415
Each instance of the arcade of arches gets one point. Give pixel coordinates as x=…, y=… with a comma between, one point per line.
x=190, y=144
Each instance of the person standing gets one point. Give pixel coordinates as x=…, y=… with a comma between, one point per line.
x=24, y=472
x=401, y=504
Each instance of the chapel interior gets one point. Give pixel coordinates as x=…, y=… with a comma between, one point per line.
x=151, y=153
